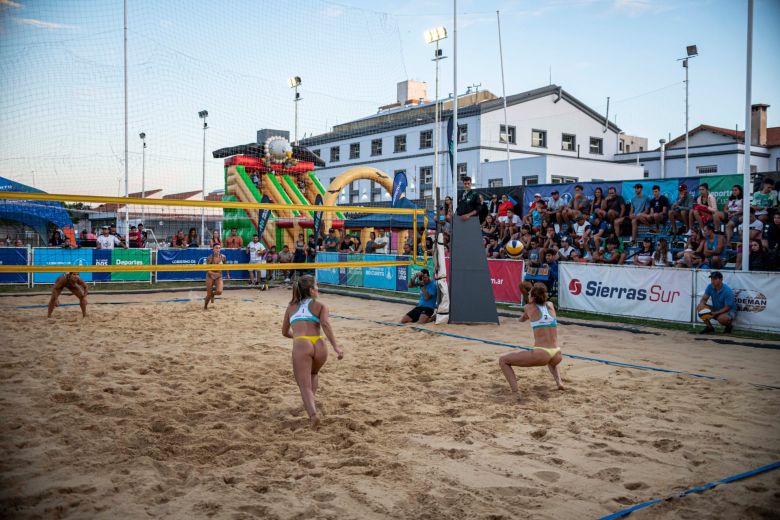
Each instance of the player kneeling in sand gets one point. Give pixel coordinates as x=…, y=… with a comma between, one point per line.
x=302, y=322
x=74, y=283
x=214, y=278
x=546, y=351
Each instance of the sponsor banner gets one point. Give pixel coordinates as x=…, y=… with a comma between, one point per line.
x=566, y=192
x=236, y=256
x=399, y=187
x=101, y=257
x=720, y=187
x=130, y=257
x=505, y=276
x=330, y=275
x=656, y=293
x=59, y=256
x=188, y=256
x=380, y=277
x=263, y=218
x=757, y=296
x=13, y=256
x=413, y=270
x=355, y=274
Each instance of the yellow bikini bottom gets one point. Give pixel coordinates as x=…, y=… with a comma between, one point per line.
x=312, y=339
x=550, y=351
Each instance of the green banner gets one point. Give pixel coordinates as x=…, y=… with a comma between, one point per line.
x=414, y=269
x=131, y=257
x=355, y=274
x=720, y=187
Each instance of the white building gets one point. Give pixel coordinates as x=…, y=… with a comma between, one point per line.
x=714, y=150
x=553, y=137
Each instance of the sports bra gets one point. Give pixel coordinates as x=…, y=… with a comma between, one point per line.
x=546, y=319
x=303, y=313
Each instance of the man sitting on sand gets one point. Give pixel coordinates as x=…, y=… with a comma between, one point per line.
x=74, y=283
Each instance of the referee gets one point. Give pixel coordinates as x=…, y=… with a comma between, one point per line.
x=469, y=204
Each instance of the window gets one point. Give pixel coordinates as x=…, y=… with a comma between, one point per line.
x=560, y=179
x=704, y=170
x=316, y=152
x=463, y=133
x=376, y=147
x=502, y=133
x=462, y=171
x=426, y=139
x=620, y=145
x=354, y=151
x=753, y=168
x=354, y=192
x=495, y=183
x=400, y=143
x=628, y=148
x=596, y=146
x=568, y=142
x=376, y=192
x=539, y=138
x=530, y=180
x=334, y=154
x=647, y=174
x=641, y=148
x=426, y=175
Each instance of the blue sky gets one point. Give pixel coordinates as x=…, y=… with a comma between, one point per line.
x=61, y=111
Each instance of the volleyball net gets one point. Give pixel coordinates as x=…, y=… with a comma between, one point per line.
x=128, y=239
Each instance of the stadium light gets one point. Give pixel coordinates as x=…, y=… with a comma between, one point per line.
x=295, y=82
x=436, y=34
x=691, y=52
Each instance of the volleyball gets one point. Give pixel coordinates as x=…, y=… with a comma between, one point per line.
x=514, y=248
x=705, y=313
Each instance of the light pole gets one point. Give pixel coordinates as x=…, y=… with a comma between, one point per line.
x=434, y=36
x=142, y=135
x=203, y=114
x=503, y=95
x=295, y=82
x=692, y=53
x=662, y=142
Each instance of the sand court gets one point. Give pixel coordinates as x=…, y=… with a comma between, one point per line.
x=158, y=409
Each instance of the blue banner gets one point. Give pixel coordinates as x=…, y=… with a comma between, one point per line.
x=59, y=256
x=380, y=277
x=262, y=219
x=13, y=256
x=237, y=256
x=181, y=257
x=399, y=187
x=330, y=275
x=101, y=257
x=545, y=190
x=317, y=216
x=402, y=274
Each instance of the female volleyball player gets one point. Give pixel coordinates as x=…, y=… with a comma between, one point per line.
x=306, y=316
x=74, y=283
x=214, y=278
x=546, y=351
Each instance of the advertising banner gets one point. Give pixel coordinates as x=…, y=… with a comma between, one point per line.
x=181, y=257
x=413, y=270
x=59, y=256
x=505, y=276
x=101, y=257
x=330, y=275
x=656, y=293
x=131, y=257
x=13, y=256
x=757, y=296
x=355, y=274
x=566, y=192
x=236, y=256
x=380, y=277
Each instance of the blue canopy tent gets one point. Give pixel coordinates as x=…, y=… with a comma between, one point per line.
x=35, y=213
x=379, y=220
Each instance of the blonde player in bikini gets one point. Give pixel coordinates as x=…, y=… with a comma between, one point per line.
x=304, y=320
x=214, y=278
x=546, y=351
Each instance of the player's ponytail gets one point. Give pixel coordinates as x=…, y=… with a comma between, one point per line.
x=302, y=289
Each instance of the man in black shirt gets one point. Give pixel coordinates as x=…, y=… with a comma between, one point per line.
x=469, y=204
x=659, y=210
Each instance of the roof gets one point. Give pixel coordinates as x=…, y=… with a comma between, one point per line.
x=185, y=195
x=146, y=194
x=424, y=114
x=772, y=134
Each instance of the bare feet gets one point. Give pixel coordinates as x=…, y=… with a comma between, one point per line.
x=315, y=422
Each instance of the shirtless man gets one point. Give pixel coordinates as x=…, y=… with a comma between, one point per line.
x=74, y=283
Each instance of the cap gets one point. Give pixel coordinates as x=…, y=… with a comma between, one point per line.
x=103, y=227
x=716, y=274
x=637, y=185
x=682, y=187
x=537, y=194
x=565, y=239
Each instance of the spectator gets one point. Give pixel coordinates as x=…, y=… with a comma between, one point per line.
x=108, y=241
x=538, y=217
x=56, y=239
x=215, y=240
x=534, y=253
x=133, y=236
x=511, y=226
x=724, y=308
x=407, y=249
x=756, y=228
x=142, y=238
x=192, y=238
x=582, y=229
x=765, y=200
x=114, y=232
x=732, y=213
x=257, y=253
x=551, y=242
x=758, y=258
x=615, y=207
x=578, y=205
x=662, y=256
x=493, y=248
x=371, y=244
x=427, y=304
x=773, y=234
x=493, y=206
x=18, y=243
x=311, y=251
x=693, y=254
x=644, y=257
x=681, y=208
x=489, y=228
x=713, y=247
x=381, y=243
x=429, y=246
x=551, y=263
x=331, y=243
x=610, y=253
x=597, y=205
x=599, y=230
x=556, y=208
x=705, y=208
x=445, y=219
x=285, y=257
x=357, y=245
x=658, y=212
x=639, y=206
x=566, y=250
x=234, y=240
x=537, y=198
